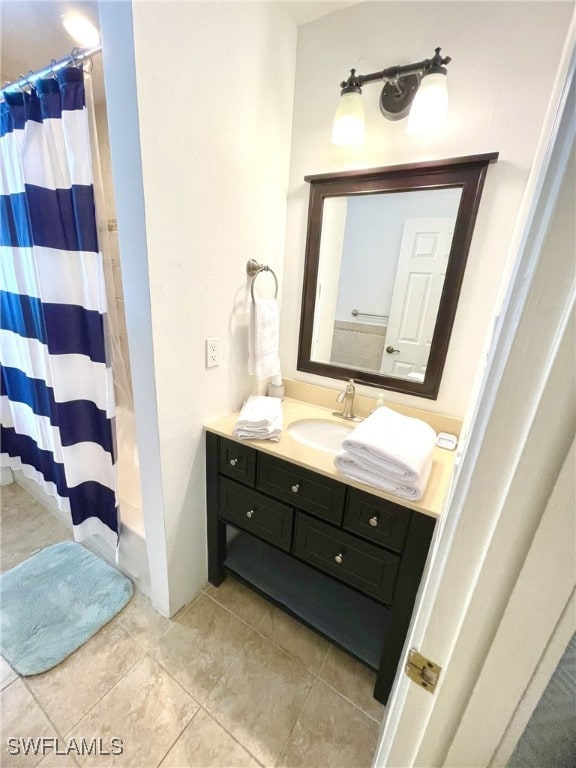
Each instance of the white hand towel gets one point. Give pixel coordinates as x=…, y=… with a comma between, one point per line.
x=355, y=468
x=264, y=339
x=273, y=432
x=259, y=411
x=260, y=419
x=389, y=442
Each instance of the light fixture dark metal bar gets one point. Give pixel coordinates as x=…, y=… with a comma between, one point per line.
x=391, y=73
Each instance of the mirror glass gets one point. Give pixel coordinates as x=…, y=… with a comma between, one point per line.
x=385, y=257
x=381, y=271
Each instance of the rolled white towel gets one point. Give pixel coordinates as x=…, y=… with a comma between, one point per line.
x=389, y=442
x=356, y=469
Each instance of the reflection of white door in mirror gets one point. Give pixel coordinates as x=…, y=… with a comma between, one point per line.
x=420, y=274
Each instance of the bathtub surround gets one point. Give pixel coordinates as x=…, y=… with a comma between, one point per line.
x=57, y=401
x=358, y=345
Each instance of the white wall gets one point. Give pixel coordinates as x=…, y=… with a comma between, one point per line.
x=334, y=217
x=499, y=90
x=215, y=92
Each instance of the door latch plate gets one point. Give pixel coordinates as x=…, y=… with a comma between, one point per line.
x=422, y=671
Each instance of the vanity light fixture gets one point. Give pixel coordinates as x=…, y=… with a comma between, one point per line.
x=416, y=89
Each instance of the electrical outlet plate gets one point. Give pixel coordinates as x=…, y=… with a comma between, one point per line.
x=212, y=352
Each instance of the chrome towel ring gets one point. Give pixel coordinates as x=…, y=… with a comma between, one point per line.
x=254, y=269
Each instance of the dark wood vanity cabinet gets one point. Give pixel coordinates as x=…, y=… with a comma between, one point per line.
x=343, y=561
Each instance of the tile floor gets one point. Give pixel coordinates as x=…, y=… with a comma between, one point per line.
x=230, y=681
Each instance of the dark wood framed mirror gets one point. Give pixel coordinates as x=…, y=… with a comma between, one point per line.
x=386, y=251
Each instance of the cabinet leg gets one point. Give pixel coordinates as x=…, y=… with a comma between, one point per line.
x=216, y=529
x=216, y=551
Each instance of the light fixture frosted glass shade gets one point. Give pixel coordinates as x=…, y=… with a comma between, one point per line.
x=84, y=33
x=430, y=107
x=349, y=120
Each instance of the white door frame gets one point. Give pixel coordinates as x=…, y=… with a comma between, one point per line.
x=519, y=438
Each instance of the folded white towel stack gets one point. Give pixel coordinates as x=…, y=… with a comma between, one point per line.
x=391, y=452
x=264, y=339
x=260, y=419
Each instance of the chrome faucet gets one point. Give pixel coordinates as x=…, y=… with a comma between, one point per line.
x=347, y=397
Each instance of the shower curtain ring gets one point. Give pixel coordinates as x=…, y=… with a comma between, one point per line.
x=22, y=88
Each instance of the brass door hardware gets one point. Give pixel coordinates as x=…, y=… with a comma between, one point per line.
x=422, y=671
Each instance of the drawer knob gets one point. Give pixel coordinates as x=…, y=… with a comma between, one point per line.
x=339, y=558
x=373, y=521
x=295, y=488
x=233, y=462
x=250, y=513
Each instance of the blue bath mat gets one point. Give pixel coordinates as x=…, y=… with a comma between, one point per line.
x=53, y=602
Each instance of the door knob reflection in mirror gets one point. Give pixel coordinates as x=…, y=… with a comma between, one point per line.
x=392, y=351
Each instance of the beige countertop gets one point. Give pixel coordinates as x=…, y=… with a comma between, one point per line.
x=292, y=450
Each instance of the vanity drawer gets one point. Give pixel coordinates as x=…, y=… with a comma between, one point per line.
x=304, y=489
x=237, y=461
x=378, y=520
x=255, y=513
x=352, y=561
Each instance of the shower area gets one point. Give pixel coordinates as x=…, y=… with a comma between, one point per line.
x=39, y=25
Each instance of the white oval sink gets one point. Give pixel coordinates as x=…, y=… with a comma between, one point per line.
x=320, y=434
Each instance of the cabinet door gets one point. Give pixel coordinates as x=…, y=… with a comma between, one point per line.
x=354, y=562
x=237, y=461
x=255, y=513
x=306, y=490
x=377, y=520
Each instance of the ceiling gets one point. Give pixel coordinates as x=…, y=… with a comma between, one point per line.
x=32, y=34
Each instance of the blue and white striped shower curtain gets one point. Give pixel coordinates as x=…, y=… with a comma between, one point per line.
x=57, y=397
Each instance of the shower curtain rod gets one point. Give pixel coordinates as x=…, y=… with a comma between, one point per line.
x=77, y=55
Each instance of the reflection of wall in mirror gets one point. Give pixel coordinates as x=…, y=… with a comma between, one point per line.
x=372, y=239
x=331, y=249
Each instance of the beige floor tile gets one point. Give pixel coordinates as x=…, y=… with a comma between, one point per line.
x=26, y=527
x=141, y=620
x=302, y=643
x=330, y=732
x=22, y=719
x=200, y=645
x=353, y=680
x=205, y=744
x=98, y=664
x=259, y=697
x=239, y=599
x=54, y=760
x=146, y=709
x=7, y=674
